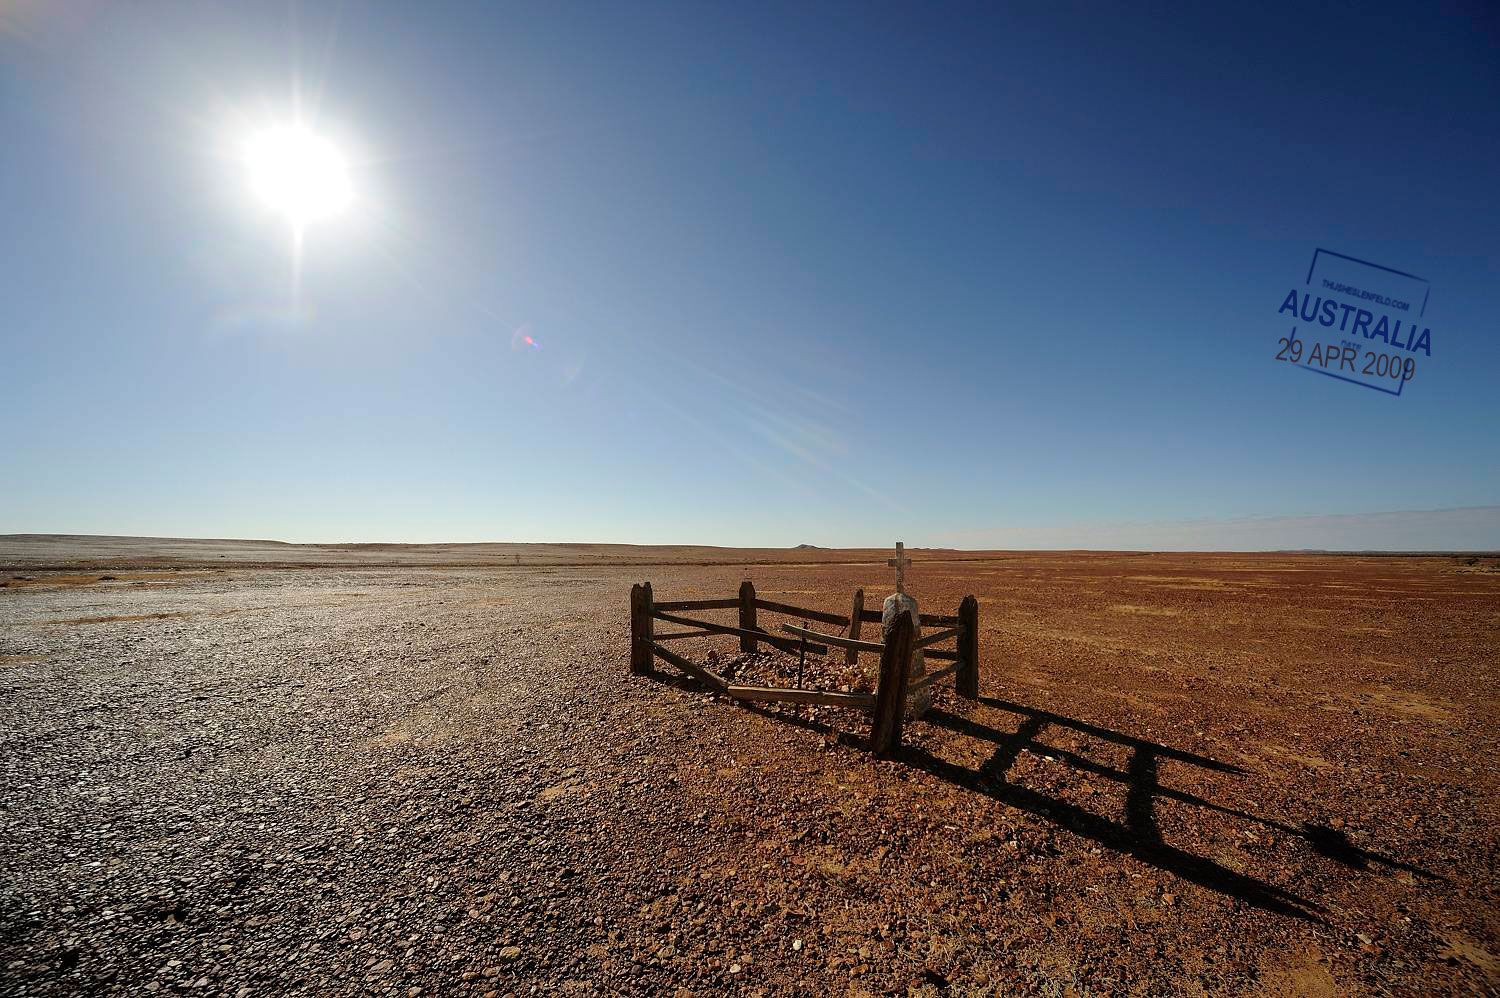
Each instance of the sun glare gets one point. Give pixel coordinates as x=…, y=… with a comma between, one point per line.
x=298, y=174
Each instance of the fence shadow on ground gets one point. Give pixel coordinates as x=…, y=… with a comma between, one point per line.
x=1137, y=835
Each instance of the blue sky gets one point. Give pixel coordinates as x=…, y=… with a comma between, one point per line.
x=837, y=275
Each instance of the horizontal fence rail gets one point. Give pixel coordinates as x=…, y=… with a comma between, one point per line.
x=922, y=682
x=938, y=637
x=834, y=639
x=713, y=679
x=698, y=604
x=796, y=611
x=863, y=701
x=786, y=644
x=927, y=619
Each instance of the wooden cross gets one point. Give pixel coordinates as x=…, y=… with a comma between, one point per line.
x=899, y=563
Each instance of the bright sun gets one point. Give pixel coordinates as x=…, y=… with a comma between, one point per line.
x=298, y=174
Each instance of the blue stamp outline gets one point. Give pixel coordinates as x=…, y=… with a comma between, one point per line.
x=1389, y=270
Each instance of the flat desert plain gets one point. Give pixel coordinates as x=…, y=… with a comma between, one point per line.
x=247, y=768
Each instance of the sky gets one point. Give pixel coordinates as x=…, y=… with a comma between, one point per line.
x=962, y=275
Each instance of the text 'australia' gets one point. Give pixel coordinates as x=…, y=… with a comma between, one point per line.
x=1327, y=312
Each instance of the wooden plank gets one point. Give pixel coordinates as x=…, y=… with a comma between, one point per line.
x=851, y=655
x=708, y=625
x=696, y=671
x=968, y=649
x=941, y=654
x=932, y=677
x=698, y=604
x=785, y=644
x=746, y=603
x=797, y=611
x=833, y=639
x=939, y=620
x=683, y=634
x=938, y=636
x=640, y=628
x=776, y=694
x=928, y=619
x=890, y=696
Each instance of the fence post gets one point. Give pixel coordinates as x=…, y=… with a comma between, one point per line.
x=968, y=648
x=747, y=615
x=890, y=696
x=851, y=656
x=642, y=629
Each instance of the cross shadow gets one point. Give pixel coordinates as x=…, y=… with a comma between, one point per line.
x=1137, y=835
x=1141, y=778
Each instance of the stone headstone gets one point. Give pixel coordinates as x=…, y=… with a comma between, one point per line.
x=896, y=604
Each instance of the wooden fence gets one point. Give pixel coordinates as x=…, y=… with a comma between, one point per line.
x=887, y=703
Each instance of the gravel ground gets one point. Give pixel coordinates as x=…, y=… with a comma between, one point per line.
x=1186, y=775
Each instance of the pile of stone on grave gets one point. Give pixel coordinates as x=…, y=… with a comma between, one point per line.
x=777, y=668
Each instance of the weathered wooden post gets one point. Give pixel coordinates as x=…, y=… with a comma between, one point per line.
x=642, y=630
x=851, y=655
x=901, y=604
x=890, y=696
x=747, y=615
x=968, y=649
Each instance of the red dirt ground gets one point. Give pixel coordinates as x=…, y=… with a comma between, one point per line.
x=1186, y=774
